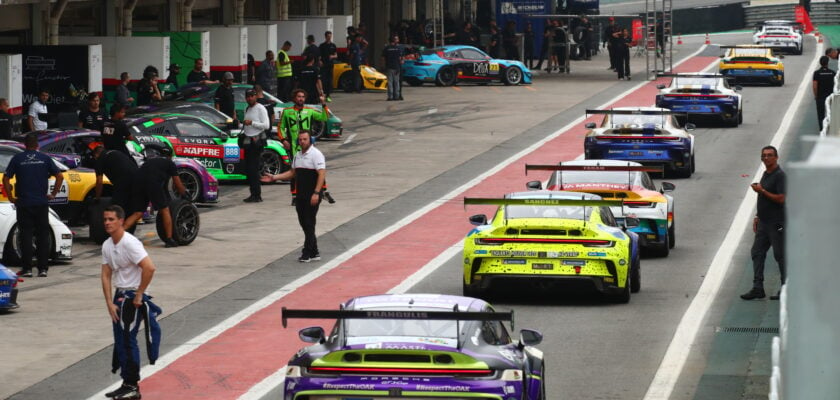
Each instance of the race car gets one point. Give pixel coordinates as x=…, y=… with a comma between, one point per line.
x=371, y=78
x=8, y=289
x=452, y=64
x=205, y=94
x=752, y=64
x=779, y=36
x=414, y=346
x=549, y=236
x=626, y=181
x=647, y=135
x=201, y=110
x=74, y=148
x=194, y=138
x=701, y=95
x=61, y=238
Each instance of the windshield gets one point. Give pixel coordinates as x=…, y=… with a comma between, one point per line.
x=565, y=212
x=620, y=177
x=637, y=120
x=690, y=81
x=388, y=329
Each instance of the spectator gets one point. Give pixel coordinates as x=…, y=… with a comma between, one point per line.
x=495, y=46
x=253, y=140
x=309, y=79
x=127, y=266
x=5, y=119
x=822, y=86
x=529, y=36
x=223, y=100
x=152, y=186
x=622, y=50
x=269, y=108
x=284, y=72
x=267, y=73
x=121, y=170
x=36, y=109
x=548, y=35
x=466, y=36
x=172, y=78
x=583, y=34
x=356, y=60
x=609, y=41
x=115, y=132
x=123, y=95
x=252, y=70
x=392, y=57
x=32, y=170
x=769, y=222
x=312, y=49
x=93, y=115
x=309, y=169
x=329, y=53
x=559, y=45
x=510, y=42
x=147, y=89
x=831, y=53
x=197, y=75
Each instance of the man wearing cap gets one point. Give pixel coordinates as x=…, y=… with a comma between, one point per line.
x=172, y=79
x=252, y=142
x=224, y=96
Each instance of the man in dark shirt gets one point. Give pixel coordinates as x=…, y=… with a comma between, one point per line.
x=494, y=49
x=147, y=89
x=121, y=170
x=311, y=49
x=5, y=120
x=356, y=59
x=510, y=42
x=609, y=40
x=769, y=222
x=32, y=170
x=329, y=53
x=309, y=79
x=123, y=95
x=172, y=79
x=93, y=116
x=197, y=75
x=823, y=86
x=392, y=57
x=152, y=185
x=223, y=100
x=465, y=36
x=115, y=132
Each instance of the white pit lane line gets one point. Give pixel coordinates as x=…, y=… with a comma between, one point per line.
x=678, y=351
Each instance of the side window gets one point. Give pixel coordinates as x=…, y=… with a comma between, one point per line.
x=454, y=54
x=209, y=116
x=193, y=129
x=647, y=182
x=472, y=55
x=607, y=216
x=61, y=146
x=5, y=157
x=494, y=332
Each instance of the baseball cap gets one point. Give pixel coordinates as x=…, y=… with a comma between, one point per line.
x=227, y=75
x=174, y=66
x=250, y=92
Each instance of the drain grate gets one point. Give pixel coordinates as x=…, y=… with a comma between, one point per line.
x=740, y=329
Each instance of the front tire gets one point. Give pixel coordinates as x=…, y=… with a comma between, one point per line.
x=185, y=222
x=513, y=76
x=672, y=234
x=345, y=82
x=318, y=128
x=445, y=77
x=13, y=253
x=191, y=182
x=272, y=163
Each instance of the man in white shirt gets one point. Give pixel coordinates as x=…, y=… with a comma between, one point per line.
x=252, y=142
x=126, y=264
x=34, y=122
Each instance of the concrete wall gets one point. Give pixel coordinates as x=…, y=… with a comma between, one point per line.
x=262, y=38
x=229, y=49
x=340, y=24
x=127, y=54
x=11, y=81
x=315, y=26
x=294, y=32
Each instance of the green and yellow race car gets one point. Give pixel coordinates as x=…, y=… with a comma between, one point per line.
x=543, y=236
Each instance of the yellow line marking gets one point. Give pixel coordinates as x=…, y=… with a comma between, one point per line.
x=530, y=88
x=456, y=88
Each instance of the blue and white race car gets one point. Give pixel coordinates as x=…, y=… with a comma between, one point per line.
x=448, y=65
x=700, y=95
x=8, y=289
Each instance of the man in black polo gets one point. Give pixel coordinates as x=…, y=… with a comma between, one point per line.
x=32, y=170
x=822, y=86
x=769, y=222
x=224, y=97
x=197, y=75
x=115, y=132
x=392, y=56
x=121, y=170
x=329, y=53
x=93, y=116
x=152, y=186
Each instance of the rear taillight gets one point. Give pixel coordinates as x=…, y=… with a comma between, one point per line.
x=583, y=242
x=639, y=204
x=402, y=371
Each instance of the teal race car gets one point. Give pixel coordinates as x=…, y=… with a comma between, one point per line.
x=192, y=137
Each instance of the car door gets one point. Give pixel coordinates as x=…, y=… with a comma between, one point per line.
x=481, y=66
x=198, y=140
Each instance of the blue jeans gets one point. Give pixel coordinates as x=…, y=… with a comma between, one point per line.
x=394, y=84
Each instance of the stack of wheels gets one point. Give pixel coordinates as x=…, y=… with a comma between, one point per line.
x=96, y=222
x=185, y=222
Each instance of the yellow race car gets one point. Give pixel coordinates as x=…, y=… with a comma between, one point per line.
x=545, y=236
x=752, y=64
x=371, y=78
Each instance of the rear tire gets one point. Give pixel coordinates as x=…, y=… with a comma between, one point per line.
x=473, y=291
x=672, y=234
x=13, y=253
x=192, y=182
x=445, y=76
x=96, y=222
x=185, y=222
x=624, y=296
x=664, y=249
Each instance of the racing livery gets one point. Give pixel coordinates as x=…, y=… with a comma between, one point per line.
x=545, y=236
x=8, y=289
x=752, y=64
x=448, y=65
x=647, y=135
x=61, y=238
x=418, y=346
x=779, y=36
x=371, y=78
x=702, y=95
x=625, y=181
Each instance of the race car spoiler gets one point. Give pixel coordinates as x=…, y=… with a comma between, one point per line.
x=745, y=46
x=542, y=202
x=690, y=76
x=616, y=168
x=454, y=315
x=634, y=112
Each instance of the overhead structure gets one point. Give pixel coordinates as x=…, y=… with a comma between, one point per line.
x=657, y=37
x=438, y=32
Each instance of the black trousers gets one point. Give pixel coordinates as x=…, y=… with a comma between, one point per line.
x=612, y=56
x=307, y=215
x=821, y=111
x=357, y=78
x=622, y=62
x=327, y=78
x=543, y=54
x=767, y=235
x=253, y=165
x=284, y=88
x=34, y=220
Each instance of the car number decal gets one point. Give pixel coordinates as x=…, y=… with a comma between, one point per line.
x=63, y=192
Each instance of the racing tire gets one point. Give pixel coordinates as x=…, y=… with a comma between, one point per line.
x=740, y=116
x=686, y=171
x=192, y=183
x=271, y=161
x=542, y=383
x=473, y=291
x=799, y=50
x=664, y=249
x=445, y=76
x=96, y=223
x=317, y=129
x=624, y=296
x=13, y=253
x=693, y=164
x=345, y=82
x=414, y=82
x=513, y=76
x=672, y=234
x=636, y=279
x=185, y=222
x=781, y=82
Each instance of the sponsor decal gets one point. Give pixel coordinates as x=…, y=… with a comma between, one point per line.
x=349, y=386
x=445, y=388
x=229, y=168
x=210, y=162
x=74, y=177
x=508, y=355
x=191, y=140
x=198, y=151
x=578, y=263
x=5, y=295
x=561, y=254
x=63, y=191
x=520, y=253
x=231, y=153
x=499, y=253
x=480, y=252
x=596, y=254
x=398, y=314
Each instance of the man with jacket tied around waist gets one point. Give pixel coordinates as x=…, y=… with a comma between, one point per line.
x=252, y=141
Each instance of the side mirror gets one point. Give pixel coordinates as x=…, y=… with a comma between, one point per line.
x=631, y=222
x=668, y=187
x=478, y=219
x=534, y=185
x=690, y=127
x=739, y=88
x=660, y=86
x=590, y=125
x=529, y=337
x=313, y=334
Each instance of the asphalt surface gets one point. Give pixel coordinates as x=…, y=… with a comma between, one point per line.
x=403, y=156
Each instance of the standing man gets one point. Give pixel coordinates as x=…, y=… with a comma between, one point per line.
x=147, y=89
x=309, y=79
x=123, y=95
x=621, y=46
x=197, y=75
x=357, y=57
x=392, y=57
x=769, y=222
x=309, y=169
x=93, y=116
x=152, y=187
x=172, y=78
x=284, y=72
x=29, y=194
x=252, y=142
x=822, y=86
x=121, y=170
x=609, y=39
x=312, y=49
x=494, y=49
x=127, y=266
x=115, y=132
x=38, y=107
x=510, y=42
x=329, y=53
x=529, y=36
x=294, y=120
x=267, y=73
x=223, y=100
x=5, y=120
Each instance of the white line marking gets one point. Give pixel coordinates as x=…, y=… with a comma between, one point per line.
x=675, y=357
x=235, y=319
x=350, y=138
x=431, y=110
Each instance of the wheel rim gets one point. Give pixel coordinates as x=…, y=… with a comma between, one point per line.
x=446, y=76
x=187, y=225
x=318, y=128
x=514, y=76
x=18, y=246
x=271, y=162
x=191, y=183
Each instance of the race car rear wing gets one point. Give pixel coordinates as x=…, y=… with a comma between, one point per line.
x=542, y=202
x=614, y=168
x=690, y=75
x=453, y=315
x=634, y=112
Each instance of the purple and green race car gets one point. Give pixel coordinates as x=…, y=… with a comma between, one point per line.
x=414, y=346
